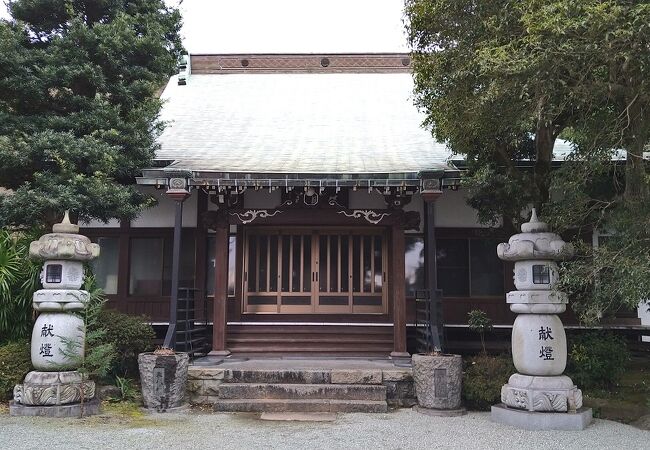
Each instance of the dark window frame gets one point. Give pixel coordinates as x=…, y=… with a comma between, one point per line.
x=54, y=273
x=468, y=267
x=166, y=261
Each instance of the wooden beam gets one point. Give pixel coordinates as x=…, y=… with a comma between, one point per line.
x=220, y=287
x=319, y=217
x=399, y=293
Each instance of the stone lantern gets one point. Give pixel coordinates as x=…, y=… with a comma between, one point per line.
x=56, y=388
x=538, y=396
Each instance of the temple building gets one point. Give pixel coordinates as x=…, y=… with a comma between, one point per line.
x=304, y=207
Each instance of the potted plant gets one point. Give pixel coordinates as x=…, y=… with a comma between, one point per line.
x=163, y=376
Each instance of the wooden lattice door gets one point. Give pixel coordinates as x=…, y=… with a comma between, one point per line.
x=314, y=272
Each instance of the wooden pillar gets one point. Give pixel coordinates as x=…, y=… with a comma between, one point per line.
x=179, y=198
x=123, y=266
x=430, y=266
x=220, y=286
x=399, y=293
x=200, y=255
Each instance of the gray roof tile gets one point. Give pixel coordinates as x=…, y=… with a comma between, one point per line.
x=297, y=123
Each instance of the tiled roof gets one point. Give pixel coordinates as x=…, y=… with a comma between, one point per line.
x=355, y=123
x=351, y=115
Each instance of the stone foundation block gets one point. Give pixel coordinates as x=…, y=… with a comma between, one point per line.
x=53, y=388
x=398, y=375
x=200, y=373
x=195, y=387
x=89, y=408
x=529, y=420
x=356, y=377
x=546, y=394
x=211, y=387
x=400, y=394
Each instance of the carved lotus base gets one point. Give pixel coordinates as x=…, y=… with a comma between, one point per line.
x=53, y=388
x=543, y=394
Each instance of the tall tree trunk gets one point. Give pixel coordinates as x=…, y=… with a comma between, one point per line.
x=544, y=143
x=636, y=185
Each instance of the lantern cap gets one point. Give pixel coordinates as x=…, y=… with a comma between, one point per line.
x=65, y=226
x=534, y=225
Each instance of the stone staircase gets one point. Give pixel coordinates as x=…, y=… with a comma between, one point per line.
x=300, y=390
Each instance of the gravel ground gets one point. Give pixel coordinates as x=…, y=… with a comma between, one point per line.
x=401, y=429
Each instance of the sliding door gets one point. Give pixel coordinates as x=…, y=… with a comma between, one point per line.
x=314, y=272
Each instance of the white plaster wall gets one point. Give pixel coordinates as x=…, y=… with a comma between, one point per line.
x=113, y=223
x=451, y=210
x=162, y=215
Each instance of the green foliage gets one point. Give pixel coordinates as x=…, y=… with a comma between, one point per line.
x=130, y=335
x=483, y=378
x=15, y=362
x=78, y=105
x=18, y=282
x=99, y=353
x=128, y=391
x=479, y=322
x=500, y=81
x=597, y=360
x=490, y=113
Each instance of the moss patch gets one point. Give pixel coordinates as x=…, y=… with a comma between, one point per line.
x=629, y=400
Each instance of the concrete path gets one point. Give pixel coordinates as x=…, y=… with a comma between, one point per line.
x=401, y=429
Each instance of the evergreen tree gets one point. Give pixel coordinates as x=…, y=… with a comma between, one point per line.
x=493, y=76
x=78, y=105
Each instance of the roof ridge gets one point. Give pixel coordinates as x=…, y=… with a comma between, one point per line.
x=300, y=62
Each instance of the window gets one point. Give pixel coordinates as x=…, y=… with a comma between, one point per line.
x=209, y=275
x=452, y=257
x=150, y=270
x=541, y=274
x=486, y=268
x=53, y=273
x=469, y=267
x=105, y=266
x=146, y=269
x=414, y=264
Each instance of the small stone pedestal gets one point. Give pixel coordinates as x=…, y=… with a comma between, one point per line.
x=438, y=384
x=538, y=396
x=56, y=388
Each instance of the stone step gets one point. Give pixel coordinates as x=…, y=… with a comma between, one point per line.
x=303, y=405
x=274, y=376
x=301, y=391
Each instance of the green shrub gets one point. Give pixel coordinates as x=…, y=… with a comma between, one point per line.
x=15, y=362
x=482, y=380
x=130, y=335
x=597, y=359
x=479, y=322
x=18, y=281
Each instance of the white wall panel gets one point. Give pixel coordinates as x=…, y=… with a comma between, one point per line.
x=162, y=215
x=452, y=211
x=113, y=223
